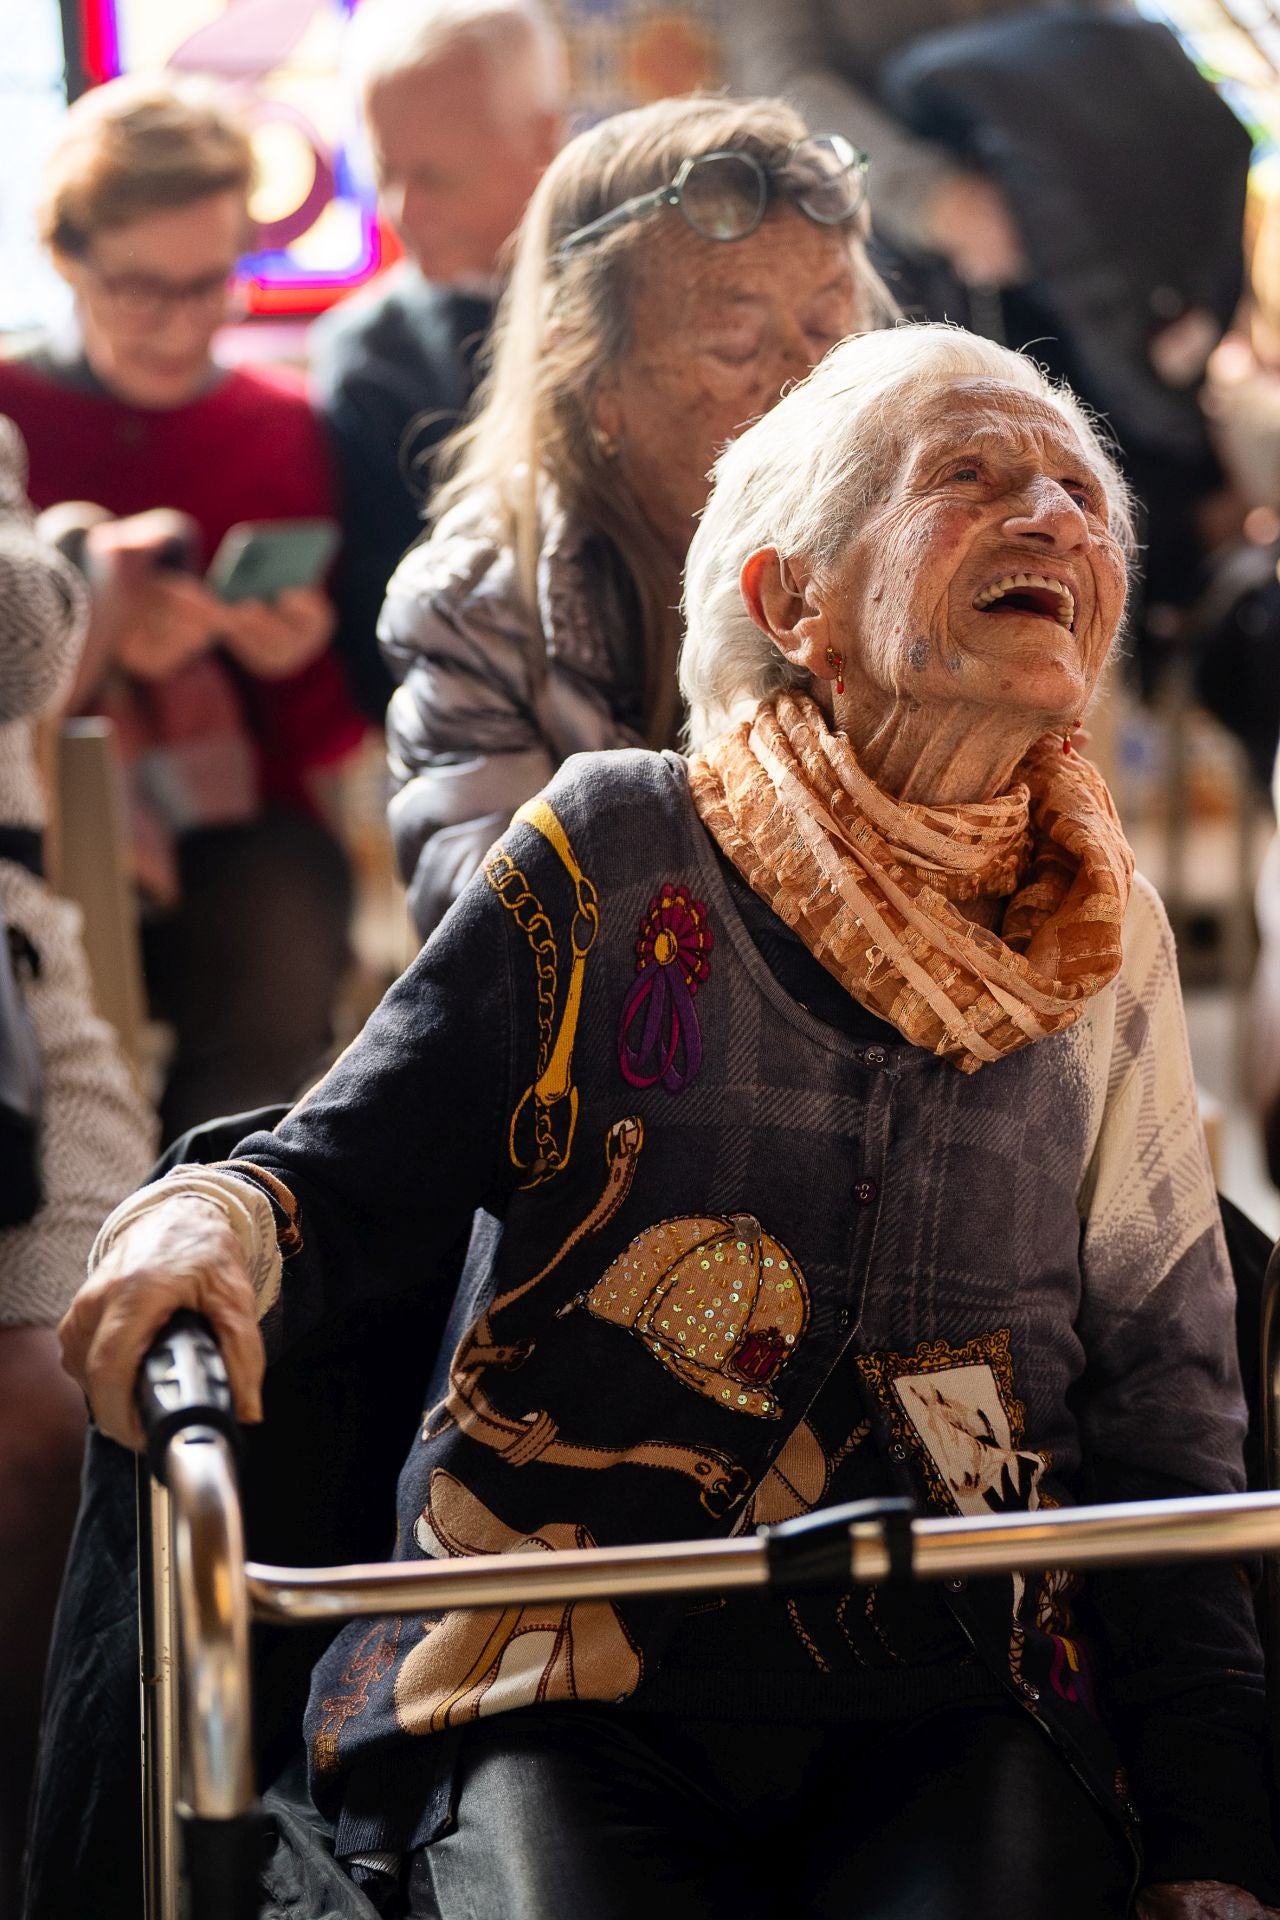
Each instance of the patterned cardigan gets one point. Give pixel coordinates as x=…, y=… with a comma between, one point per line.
x=698, y=1209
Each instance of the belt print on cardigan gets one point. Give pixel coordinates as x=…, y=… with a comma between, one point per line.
x=553, y=1096
x=521, y=1439
x=659, y=1038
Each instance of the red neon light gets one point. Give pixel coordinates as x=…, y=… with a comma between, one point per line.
x=99, y=40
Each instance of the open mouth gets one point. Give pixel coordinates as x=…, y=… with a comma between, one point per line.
x=1036, y=593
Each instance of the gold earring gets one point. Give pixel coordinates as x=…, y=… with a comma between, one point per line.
x=606, y=443
x=836, y=663
x=1066, y=738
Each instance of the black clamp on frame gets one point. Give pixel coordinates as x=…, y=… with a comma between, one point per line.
x=814, y=1550
x=183, y=1383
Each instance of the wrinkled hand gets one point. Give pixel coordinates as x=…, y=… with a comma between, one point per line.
x=968, y=222
x=152, y=619
x=1200, y=1900
x=277, y=638
x=182, y=1254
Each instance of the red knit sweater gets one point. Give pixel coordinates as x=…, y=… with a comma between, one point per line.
x=248, y=448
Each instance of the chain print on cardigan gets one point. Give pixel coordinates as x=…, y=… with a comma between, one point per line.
x=553, y=1095
x=521, y=1439
x=372, y=1660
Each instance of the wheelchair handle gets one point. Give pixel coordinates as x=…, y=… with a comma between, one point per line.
x=183, y=1383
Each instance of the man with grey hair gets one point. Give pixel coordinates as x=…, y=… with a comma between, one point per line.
x=462, y=101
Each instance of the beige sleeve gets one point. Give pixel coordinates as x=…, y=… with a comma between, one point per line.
x=247, y=1212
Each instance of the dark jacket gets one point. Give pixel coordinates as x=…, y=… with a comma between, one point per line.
x=391, y=372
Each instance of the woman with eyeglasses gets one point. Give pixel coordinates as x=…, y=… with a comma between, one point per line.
x=677, y=268
x=150, y=451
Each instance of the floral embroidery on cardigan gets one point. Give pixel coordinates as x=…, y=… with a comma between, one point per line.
x=659, y=1038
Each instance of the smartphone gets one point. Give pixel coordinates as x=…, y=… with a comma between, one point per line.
x=259, y=559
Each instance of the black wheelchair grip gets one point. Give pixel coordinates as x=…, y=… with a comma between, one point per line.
x=183, y=1383
x=221, y=1864
x=813, y=1550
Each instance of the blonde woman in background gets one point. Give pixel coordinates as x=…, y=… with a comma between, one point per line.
x=678, y=266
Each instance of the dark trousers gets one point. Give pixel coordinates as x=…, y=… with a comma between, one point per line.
x=247, y=968
x=968, y=1813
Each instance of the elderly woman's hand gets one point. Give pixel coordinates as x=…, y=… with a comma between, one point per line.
x=277, y=638
x=180, y=1254
x=1200, y=1900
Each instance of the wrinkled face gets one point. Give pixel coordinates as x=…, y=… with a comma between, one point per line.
x=718, y=328
x=456, y=158
x=986, y=571
x=151, y=295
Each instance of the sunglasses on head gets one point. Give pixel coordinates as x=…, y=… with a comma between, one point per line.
x=723, y=195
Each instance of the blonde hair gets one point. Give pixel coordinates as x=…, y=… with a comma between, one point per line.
x=565, y=322
x=518, y=38
x=136, y=146
x=800, y=479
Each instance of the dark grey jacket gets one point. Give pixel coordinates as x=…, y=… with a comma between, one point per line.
x=827, y=56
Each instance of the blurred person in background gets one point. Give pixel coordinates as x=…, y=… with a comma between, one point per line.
x=94, y=1144
x=225, y=714
x=1059, y=177
x=828, y=59
x=679, y=265
x=462, y=104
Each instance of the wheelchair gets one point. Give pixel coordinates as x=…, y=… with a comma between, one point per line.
x=199, y=1593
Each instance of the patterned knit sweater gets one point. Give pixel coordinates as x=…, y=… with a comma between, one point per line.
x=97, y=1136
x=720, y=1248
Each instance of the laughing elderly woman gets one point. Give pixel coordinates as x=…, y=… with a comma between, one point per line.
x=824, y=1108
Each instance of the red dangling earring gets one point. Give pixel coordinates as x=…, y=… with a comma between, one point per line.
x=1066, y=738
x=836, y=663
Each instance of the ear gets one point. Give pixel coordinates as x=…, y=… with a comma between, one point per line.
x=779, y=597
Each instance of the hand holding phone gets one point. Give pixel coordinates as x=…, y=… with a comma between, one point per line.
x=278, y=639
x=150, y=610
x=260, y=560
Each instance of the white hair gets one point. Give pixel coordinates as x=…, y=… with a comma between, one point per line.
x=802, y=476
x=518, y=38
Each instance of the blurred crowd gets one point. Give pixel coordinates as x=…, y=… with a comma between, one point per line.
x=509, y=435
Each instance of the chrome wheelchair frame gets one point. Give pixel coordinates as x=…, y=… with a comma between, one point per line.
x=198, y=1594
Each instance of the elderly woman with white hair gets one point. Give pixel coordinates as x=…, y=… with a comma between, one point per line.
x=823, y=1105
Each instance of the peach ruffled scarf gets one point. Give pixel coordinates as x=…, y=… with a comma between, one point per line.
x=873, y=885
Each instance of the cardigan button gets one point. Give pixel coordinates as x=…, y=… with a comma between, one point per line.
x=864, y=1192
x=875, y=1057
x=1028, y=1689
x=897, y=1451
x=957, y=1585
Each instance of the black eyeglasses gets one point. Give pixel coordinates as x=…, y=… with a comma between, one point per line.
x=723, y=195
